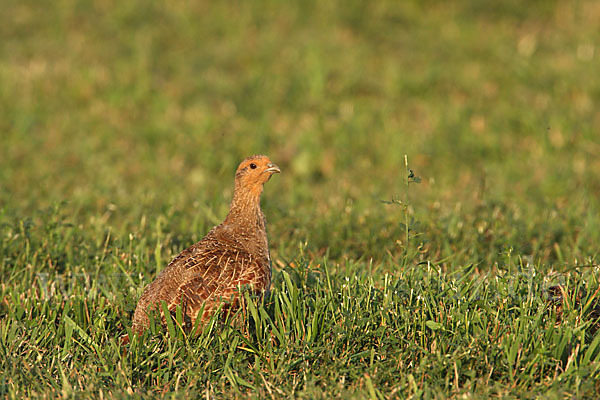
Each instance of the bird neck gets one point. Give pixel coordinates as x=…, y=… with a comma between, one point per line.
x=246, y=225
x=244, y=212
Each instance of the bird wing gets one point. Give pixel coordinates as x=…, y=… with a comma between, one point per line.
x=210, y=273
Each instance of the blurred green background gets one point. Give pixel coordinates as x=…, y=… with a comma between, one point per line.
x=130, y=110
x=122, y=123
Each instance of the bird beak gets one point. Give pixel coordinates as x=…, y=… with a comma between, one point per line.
x=272, y=168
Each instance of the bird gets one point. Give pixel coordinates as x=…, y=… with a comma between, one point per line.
x=234, y=254
x=561, y=299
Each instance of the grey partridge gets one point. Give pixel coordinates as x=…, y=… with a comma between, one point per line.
x=233, y=254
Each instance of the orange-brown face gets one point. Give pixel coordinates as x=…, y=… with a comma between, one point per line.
x=255, y=171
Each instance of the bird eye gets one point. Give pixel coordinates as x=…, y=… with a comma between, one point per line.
x=253, y=166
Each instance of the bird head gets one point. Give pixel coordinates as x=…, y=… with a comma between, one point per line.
x=254, y=171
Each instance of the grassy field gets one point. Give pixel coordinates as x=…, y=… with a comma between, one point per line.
x=122, y=123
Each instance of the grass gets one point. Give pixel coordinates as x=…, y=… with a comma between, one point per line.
x=121, y=126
